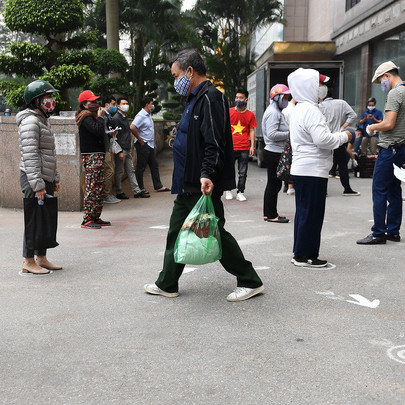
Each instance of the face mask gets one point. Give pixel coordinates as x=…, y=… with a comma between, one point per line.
x=385, y=85
x=322, y=92
x=240, y=103
x=282, y=103
x=371, y=107
x=93, y=107
x=151, y=109
x=48, y=104
x=6, y=114
x=182, y=84
x=124, y=108
x=112, y=109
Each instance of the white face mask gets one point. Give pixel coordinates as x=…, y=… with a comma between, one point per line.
x=322, y=92
x=371, y=107
x=124, y=108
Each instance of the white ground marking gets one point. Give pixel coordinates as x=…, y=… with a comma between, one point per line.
x=189, y=269
x=364, y=302
x=159, y=227
x=261, y=267
x=397, y=353
x=34, y=275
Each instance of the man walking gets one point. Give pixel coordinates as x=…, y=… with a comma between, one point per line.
x=243, y=123
x=124, y=161
x=387, y=193
x=203, y=163
x=338, y=116
x=143, y=129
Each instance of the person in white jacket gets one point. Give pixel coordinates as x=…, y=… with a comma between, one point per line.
x=312, y=144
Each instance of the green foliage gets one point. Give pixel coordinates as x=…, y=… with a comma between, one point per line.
x=76, y=57
x=115, y=85
x=82, y=40
x=27, y=50
x=14, y=92
x=45, y=17
x=169, y=116
x=109, y=61
x=66, y=76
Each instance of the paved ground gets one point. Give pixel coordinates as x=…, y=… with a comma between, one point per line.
x=90, y=335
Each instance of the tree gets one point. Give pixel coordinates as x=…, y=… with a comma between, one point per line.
x=56, y=58
x=226, y=35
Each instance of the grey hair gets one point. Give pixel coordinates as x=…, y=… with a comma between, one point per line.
x=190, y=57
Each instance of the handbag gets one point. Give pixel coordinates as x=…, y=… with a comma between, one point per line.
x=41, y=223
x=199, y=240
x=284, y=164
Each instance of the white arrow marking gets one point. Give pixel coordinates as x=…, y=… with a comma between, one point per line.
x=364, y=302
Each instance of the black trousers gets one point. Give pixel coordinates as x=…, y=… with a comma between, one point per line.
x=341, y=158
x=310, y=199
x=30, y=193
x=273, y=184
x=146, y=156
x=232, y=259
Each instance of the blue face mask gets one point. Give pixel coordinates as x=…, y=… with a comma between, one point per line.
x=240, y=103
x=112, y=109
x=385, y=85
x=182, y=84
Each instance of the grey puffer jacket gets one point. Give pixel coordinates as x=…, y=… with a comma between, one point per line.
x=37, y=148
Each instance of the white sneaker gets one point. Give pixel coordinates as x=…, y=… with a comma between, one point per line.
x=290, y=191
x=240, y=197
x=244, y=293
x=228, y=195
x=154, y=289
x=110, y=199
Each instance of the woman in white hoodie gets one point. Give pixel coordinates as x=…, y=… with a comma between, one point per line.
x=312, y=144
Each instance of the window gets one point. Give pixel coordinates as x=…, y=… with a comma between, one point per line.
x=351, y=3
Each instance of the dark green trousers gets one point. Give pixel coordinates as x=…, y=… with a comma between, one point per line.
x=232, y=260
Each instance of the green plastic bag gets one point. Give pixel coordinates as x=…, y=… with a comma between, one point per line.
x=199, y=241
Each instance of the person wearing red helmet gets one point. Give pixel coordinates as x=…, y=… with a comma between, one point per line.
x=275, y=134
x=90, y=120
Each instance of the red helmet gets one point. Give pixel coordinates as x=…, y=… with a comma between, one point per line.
x=87, y=95
x=279, y=89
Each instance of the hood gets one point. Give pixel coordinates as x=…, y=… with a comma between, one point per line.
x=26, y=113
x=304, y=85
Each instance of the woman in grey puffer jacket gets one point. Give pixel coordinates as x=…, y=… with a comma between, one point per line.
x=38, y=174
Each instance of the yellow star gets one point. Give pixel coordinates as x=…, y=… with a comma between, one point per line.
x=237, y=129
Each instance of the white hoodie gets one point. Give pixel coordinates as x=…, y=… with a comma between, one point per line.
x=312, y=142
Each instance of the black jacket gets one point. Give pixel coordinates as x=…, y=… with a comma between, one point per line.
x=209, y=143
x=91, y=135
x=124, y=135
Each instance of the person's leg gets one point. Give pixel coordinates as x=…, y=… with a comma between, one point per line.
x=364, y=145
x=373, y=144
x=273, y=184
x=108, y=172
x=130, y=171
x=119, y=169
x=142, y=153
x=342, y=158
x=382, y=178
x=168, y=279
x=243, y=161
x=394, y=209
x=154, y=169
x=310, y=197
x=233, y=259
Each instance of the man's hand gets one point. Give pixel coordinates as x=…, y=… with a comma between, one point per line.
x=40, y=194
x=349, y=134
x=252, y=151
x=57, y=187
x=101, y=112
x=141, y=142
x=207, y=186
x=121, y=155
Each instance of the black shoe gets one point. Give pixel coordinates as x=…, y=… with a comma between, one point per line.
x=304, y=262
x=393, y=238
x=350, y=193
x=122, y=196
x=141, y=195
x=372, y=240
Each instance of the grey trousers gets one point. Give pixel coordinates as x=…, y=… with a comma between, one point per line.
x=30, y=193
x=128, y=165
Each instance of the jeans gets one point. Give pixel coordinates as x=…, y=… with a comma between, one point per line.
x=30, y=193
x=128, y=165
x=310, y=198
x=232, y=259
x=273, y=184
x=242, y=156
x=387, y=192
x=146, y=156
